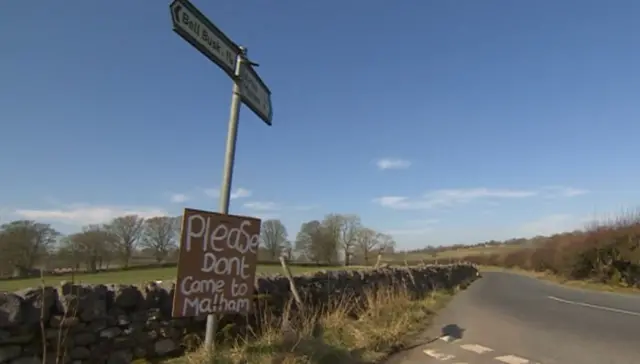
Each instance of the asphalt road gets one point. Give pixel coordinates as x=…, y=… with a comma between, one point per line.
x=514, y=319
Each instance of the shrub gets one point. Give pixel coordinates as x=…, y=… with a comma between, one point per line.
x=606, y=251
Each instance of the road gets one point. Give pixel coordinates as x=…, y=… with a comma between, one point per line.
x=506, y=318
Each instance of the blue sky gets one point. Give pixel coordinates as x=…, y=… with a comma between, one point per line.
x=438, y=121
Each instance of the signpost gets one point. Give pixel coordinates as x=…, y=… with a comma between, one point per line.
x=255, y=94
x=201, y=33
x=248, y=88
x=196, y=29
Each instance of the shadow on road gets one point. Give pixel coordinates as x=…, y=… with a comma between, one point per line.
x=448, y=332
x=453, y=331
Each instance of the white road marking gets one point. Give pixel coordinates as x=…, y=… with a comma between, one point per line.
x=478, y=349
x=604, y=308
x=437, y=355
x=512, y=359
x=447, y=338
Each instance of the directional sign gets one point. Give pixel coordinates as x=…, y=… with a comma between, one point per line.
x=196, y=29
x=255, y=94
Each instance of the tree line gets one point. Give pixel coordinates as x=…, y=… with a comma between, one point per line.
x=132, y=239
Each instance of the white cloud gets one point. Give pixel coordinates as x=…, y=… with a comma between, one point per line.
x=449, y=197
x=262, y=206
x=237, y=193
x=559, y=191
x=179, y=197
x=452, y=197
x=84, y=214
x=473, y=193
x=393, y=163
x=240, y=193
x=394, y=202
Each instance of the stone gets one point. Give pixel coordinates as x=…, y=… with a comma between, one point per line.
x=84, y=338
x=9, y=352
x=120, y=357
x=80, y=353
x=11, y=310
x=118, y=324
x=110, y=332
x=164, y=347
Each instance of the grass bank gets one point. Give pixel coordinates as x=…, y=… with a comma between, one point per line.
x=605, y=255
x=386, y=324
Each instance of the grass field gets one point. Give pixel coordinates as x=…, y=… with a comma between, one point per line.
x=132, y=277
x=463, y=252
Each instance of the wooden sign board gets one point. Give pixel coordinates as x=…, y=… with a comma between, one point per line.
x=217, y=264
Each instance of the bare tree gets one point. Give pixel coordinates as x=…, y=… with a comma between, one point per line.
x=304, y=240
x=350, y=226
x=127, y=229
x=287, y=250
x=332, y=232
x=386, y=244
x=160, y=236
x=274, y=237
x=92, y=246
x=24, y=242
x=315, y=243
x=366, y=242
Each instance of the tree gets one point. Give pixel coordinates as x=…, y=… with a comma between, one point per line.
x=304, y=240
x=367, y=240
x=287, y=250
x=127, y=229
x=313, y=242
x=160, y=235
x=24, y=242
x=274, y=237
x=330, y=242
x=386, y=244
x=350, y=226
x=92, y=246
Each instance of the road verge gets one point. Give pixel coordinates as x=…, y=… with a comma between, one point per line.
x=389, y=321
x=582, y=284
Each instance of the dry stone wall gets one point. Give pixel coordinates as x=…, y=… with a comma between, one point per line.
x=119, y=323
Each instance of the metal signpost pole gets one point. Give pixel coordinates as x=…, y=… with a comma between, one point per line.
x=232, y=135
x=227, y=178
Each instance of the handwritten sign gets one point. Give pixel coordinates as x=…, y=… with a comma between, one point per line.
x=217, y=263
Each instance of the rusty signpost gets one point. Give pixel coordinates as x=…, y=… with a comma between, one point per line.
x=217, y=264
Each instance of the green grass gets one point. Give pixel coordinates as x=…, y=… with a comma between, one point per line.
x=462, y=252
x=132, y=277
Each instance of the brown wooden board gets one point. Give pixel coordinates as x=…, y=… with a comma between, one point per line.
x=217, y=263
